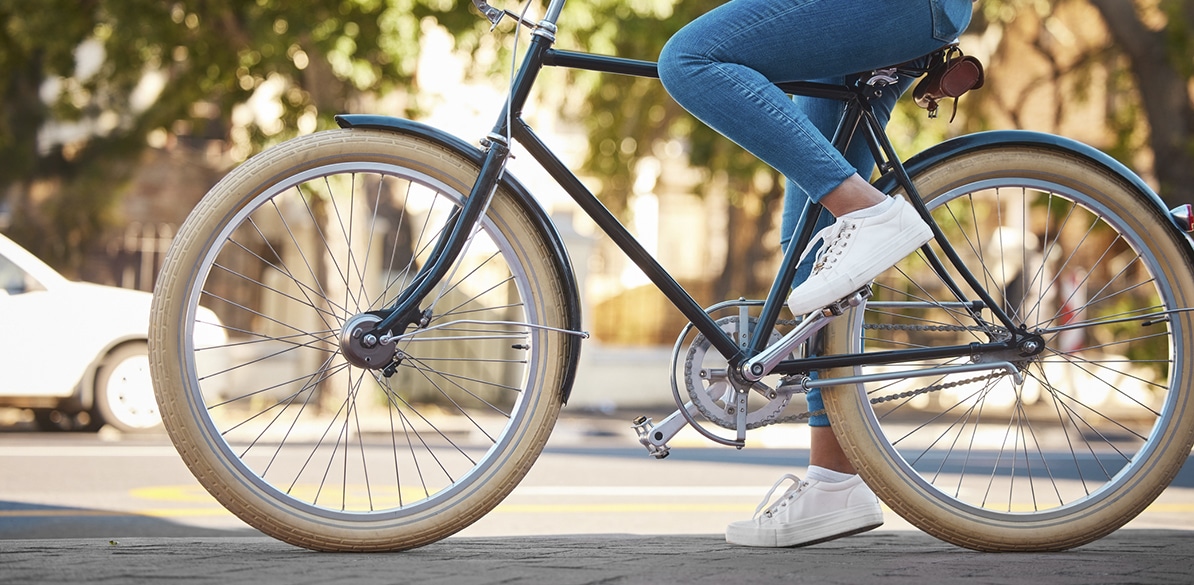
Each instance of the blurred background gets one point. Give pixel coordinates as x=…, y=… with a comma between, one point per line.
x=118, y=115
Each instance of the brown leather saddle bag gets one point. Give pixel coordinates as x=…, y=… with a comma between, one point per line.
x=950, y=75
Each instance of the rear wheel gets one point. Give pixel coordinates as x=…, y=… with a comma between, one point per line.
x=300, y=424
x=1103, y=420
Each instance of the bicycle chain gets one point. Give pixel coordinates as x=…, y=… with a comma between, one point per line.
x=804, y=416
x=892, y=327
x=907, y=394
x=935, y=328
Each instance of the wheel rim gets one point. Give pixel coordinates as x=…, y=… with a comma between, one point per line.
x=1092, y=411
x=375, y=451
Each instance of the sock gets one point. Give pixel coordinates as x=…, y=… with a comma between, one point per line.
x=818, y=473
x=873, y=210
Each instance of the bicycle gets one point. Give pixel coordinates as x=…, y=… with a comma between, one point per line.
x=404, y=327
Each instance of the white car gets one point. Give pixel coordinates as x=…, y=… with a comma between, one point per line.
x=75, y=353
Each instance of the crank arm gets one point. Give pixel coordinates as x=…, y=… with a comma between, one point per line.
x=755, y=368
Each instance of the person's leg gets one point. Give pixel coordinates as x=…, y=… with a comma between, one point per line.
x=832, y=501
x=722, y=68
x=824, y=450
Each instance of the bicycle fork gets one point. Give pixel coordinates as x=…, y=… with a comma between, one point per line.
x=448, y=248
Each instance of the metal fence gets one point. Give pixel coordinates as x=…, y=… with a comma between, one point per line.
x=137, y=257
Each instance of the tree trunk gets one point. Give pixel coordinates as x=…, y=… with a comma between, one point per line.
x=1164, y=92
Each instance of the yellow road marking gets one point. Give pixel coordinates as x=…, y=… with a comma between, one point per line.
x=203, y=504
x=509, y=508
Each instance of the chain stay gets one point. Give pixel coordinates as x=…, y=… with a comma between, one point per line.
x=804, y=416
x=907, y=394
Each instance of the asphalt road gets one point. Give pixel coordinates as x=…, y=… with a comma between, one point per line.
x=594, y=509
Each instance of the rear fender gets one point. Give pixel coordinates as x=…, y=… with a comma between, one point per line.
x=997, y=138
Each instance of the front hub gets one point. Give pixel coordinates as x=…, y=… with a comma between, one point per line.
x=361, y=344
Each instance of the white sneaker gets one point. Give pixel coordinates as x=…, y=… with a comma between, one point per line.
x=855, y=251
x=809, y=512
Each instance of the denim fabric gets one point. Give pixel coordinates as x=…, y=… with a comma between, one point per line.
x=950, y=18
x=722, y=68
x=824, y=114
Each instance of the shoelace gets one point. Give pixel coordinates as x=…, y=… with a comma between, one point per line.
x=833, y=240
x=798, y=486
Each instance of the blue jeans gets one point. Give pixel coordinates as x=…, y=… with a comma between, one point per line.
x=722, y=68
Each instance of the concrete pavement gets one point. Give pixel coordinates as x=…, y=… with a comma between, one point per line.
x=887, y=557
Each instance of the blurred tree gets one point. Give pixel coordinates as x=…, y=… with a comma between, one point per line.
x=1131, y=60
x=1146, y=62
x=629, y=119
x=86, y=83
x=1157, y=42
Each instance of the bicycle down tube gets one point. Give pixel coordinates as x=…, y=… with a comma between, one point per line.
x=510, y=124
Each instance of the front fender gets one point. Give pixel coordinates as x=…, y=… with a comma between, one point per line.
x=535, y=210
x=996, y=138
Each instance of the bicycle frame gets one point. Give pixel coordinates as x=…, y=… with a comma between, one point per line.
x=859, y=118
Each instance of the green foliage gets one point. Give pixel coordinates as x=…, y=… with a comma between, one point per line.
x=1179, y=34
x=630, y=118
x=85, y=83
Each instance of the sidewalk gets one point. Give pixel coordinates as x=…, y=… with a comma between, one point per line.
x=886, y=557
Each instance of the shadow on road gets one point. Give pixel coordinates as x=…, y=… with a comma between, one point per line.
x=32, y=521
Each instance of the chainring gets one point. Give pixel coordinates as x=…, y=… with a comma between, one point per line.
x=714, y=392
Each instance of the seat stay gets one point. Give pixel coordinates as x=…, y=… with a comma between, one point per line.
x=877, y=136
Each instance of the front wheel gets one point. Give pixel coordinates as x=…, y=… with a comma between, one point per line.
x=1103, y=419
x=276, y=399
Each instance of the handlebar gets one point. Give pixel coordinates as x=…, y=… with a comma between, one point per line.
x=495, y=15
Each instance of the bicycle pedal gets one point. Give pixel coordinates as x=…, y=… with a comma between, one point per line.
x=792, y=384
x=840, y=306
x=642, y=427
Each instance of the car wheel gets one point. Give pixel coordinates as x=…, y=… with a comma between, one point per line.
x=124, y=391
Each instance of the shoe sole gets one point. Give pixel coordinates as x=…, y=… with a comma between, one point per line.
x=810, y=531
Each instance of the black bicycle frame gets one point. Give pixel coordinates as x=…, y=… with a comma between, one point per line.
x=859, y=115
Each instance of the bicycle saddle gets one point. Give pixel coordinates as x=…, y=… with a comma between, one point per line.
x=949, y=75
